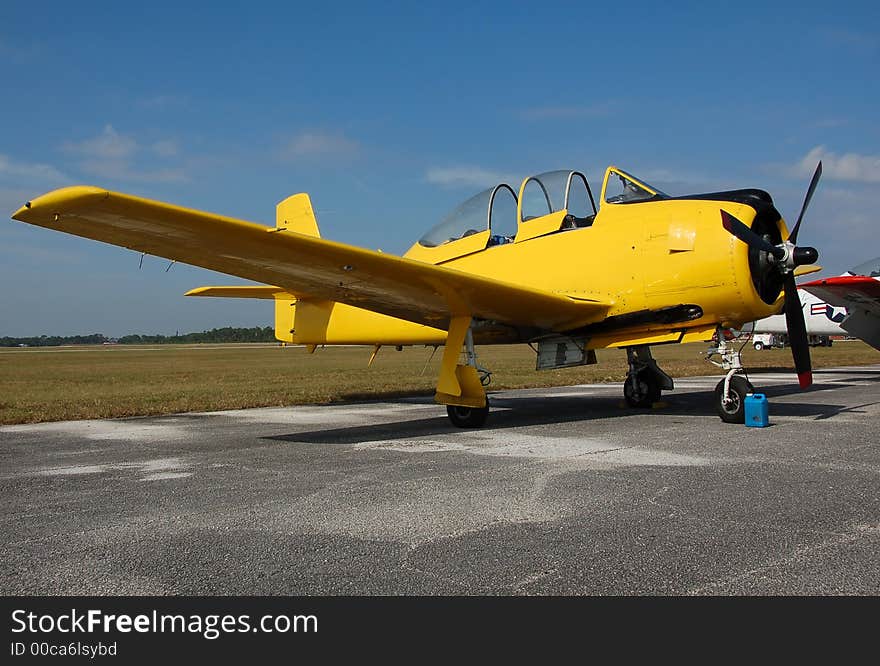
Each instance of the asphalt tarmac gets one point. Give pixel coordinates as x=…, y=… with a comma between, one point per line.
x=563, y=492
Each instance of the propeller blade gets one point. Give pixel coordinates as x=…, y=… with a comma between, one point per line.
x=797, y=333
x=812, y=188
x=749, y=237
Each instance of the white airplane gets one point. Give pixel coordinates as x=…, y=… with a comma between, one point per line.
x=821, y=318
x=858, y=291
x=845, y=305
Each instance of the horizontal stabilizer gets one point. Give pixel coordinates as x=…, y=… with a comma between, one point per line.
x=244, y=291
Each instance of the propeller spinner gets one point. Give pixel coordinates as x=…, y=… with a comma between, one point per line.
x=780, y=261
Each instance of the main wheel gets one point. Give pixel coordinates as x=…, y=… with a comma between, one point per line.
x=467, y=417
x=759, y=346
x=645, y=392
x=734, y=411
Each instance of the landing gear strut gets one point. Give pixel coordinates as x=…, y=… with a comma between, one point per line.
x=471, y=417
x=462, y=382
x=730, y=392
x=645, y=379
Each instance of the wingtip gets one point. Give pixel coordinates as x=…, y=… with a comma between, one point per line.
x=18, y=215
x=36, y=210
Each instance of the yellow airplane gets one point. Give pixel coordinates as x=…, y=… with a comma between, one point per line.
x=643, y=269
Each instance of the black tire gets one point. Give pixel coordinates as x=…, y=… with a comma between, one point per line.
x=735, y=412
x=646, y=391
x=759, y=346
x=467, y=417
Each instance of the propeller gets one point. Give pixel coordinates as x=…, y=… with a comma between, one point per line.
x=812, y=188
x=783, y=259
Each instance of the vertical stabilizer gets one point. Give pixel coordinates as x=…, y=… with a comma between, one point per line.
x=296, y=214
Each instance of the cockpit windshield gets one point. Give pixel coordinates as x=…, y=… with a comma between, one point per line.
x=468, y=218
x=496, y=208
x=482, y=211
x=620, y=187
x=868, y=269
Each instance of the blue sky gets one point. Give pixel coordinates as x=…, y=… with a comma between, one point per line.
x=389, y=114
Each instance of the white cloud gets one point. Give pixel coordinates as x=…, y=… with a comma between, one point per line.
x=109, y=145
x=319, y=145
x=26, y=173
x=165, y=148
x=830, y=122
x=117, y=170
x=121, y=157
x=13, y=199
x=471, y=176
x=849, y=166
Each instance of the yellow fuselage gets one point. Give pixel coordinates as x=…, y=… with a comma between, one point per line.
x=645, y=256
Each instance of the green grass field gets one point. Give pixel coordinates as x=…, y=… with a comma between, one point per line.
x=52, y=384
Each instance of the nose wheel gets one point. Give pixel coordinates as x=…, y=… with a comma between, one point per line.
x=730, y=403
x=730, y=392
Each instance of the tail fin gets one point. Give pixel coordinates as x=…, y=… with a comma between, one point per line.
x=295, y=213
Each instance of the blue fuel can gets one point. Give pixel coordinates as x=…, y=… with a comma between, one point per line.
x=757, y=411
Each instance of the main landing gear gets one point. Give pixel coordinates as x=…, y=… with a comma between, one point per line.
x=731, y=392
x=461, y=386
x=467, y=417
x=644, y=380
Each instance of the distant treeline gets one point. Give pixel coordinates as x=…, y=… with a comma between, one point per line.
x=227, y=334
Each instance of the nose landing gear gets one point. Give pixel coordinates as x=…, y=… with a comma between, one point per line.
x=730, y=392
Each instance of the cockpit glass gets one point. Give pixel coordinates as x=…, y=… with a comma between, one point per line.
x=544, y=194
x=622, y=189
x=868, y=269
x=503, y=214
x=469, y=218
x=536, y=200
x=496, y=208
x=553, y=191
x=580, y=200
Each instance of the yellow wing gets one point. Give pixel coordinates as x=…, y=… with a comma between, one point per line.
x=303, y=264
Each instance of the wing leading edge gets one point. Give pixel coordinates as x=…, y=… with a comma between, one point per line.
x=302, y=264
